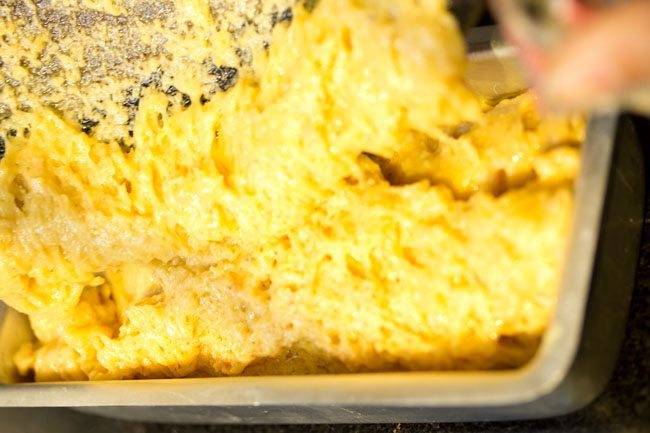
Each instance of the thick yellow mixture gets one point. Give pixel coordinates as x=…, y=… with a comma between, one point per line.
x=198, y=188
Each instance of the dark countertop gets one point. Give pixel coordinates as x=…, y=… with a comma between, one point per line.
x=624, y=406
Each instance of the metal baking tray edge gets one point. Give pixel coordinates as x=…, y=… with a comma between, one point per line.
x=573, y=364
x=570, y=369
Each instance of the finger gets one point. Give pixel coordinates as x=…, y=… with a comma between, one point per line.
x=533, y=55
x=607, y=55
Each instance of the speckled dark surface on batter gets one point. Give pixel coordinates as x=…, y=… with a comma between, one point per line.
x=90, y=67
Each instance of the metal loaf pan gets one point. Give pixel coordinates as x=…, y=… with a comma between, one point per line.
x=574, y=362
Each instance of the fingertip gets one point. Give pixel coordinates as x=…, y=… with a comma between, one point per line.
x=598, y=61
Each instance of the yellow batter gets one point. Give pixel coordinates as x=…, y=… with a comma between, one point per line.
x=197, y=188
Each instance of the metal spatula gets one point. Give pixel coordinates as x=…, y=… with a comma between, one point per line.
x=493, y=70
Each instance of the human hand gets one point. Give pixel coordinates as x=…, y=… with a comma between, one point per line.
x=601, y=59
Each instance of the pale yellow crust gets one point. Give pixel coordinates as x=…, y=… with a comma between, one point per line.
x=343, y=205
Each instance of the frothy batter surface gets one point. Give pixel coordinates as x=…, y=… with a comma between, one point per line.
x=269, y=187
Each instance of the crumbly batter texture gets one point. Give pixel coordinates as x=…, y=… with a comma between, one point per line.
x=206, y=188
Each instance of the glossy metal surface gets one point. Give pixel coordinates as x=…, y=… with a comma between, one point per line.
x=493, y=71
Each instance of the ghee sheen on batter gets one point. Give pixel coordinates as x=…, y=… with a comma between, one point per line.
x=204, y=188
